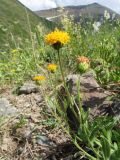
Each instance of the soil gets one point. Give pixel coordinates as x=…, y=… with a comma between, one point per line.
x=65, y=151
x=18, y=141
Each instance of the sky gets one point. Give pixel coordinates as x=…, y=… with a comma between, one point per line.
x=47, y=4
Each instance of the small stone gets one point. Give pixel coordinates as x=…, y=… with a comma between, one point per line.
x=45, y=141
x=28, y=88
x=6, y=109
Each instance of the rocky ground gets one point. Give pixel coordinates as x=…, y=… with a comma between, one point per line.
x=29, y=131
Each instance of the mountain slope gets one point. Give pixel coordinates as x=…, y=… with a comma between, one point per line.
x=14, y=21
x=93, y=10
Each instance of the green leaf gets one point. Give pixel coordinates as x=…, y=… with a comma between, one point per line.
x=98, y=142
x=115, y=155
x=105, y=148
x=107, y=134
x=93, y=134
x=115, y=146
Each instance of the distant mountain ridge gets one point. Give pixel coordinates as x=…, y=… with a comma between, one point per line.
x=93, y=10
x=14, y=21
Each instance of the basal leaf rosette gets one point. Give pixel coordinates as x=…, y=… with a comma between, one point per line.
x=57, y=39
x=83, y=63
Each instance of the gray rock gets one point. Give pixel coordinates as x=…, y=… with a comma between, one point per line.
x=45, y=141
x=92, y=95
x=28, y=87
x=115, y=108
x=6, y=109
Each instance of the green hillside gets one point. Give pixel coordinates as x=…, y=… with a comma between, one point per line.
x=14, y=21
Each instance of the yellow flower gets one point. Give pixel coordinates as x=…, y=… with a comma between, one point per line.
x=52, y=67
x=39, y=78
x=57, y=37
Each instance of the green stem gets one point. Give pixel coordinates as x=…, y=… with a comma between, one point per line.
x=84, y=152
x=65, y=86
x=63, y=78
x=60, y=64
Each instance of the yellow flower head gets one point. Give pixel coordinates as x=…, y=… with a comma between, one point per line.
x=39, y=78
x=57, y=37
x=82, y=59
x=52, y=67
